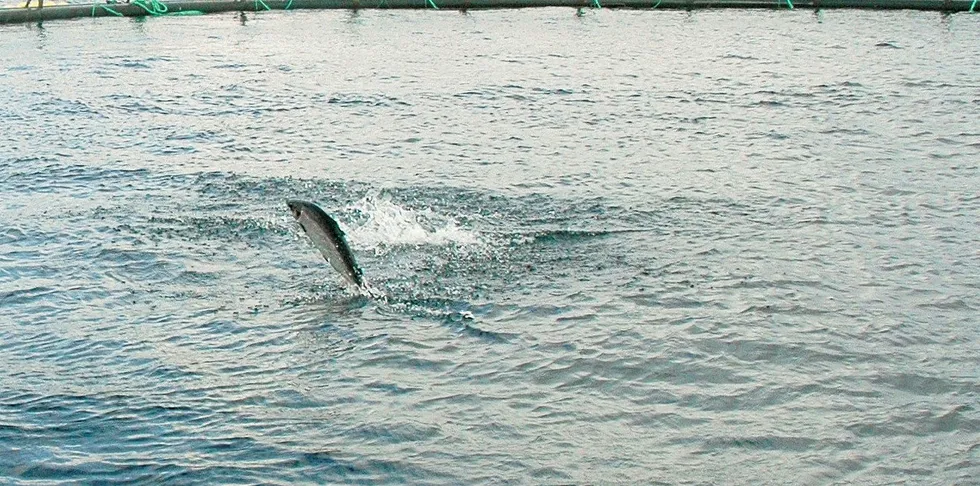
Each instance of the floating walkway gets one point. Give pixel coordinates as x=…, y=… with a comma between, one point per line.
x=142, y=8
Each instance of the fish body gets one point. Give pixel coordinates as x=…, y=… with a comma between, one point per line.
x=328, y=238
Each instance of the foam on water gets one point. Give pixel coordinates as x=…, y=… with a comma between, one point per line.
x=386, y=224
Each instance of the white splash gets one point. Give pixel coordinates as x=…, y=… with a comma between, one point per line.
x=387, y=225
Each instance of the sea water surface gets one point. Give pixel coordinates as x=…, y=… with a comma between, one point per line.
x=713, y=247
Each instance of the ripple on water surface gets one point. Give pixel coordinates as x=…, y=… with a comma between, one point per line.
x=706, y=261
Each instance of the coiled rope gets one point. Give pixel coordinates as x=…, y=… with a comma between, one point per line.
x=153, y=7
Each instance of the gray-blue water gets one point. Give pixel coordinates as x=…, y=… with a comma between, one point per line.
x=714, y=247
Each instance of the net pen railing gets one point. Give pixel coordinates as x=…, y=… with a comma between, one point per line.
x=35, y=10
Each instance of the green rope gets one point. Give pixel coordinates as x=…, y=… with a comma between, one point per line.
x=972, y=5
x=595, y=4
x=257, y=2
x=789, y=4
x=658, y=3
x=107, y=9
x=288, y=4
x=433, y=4
x=155, y=7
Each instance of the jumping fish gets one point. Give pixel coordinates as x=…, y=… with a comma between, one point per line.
x=328, y=238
